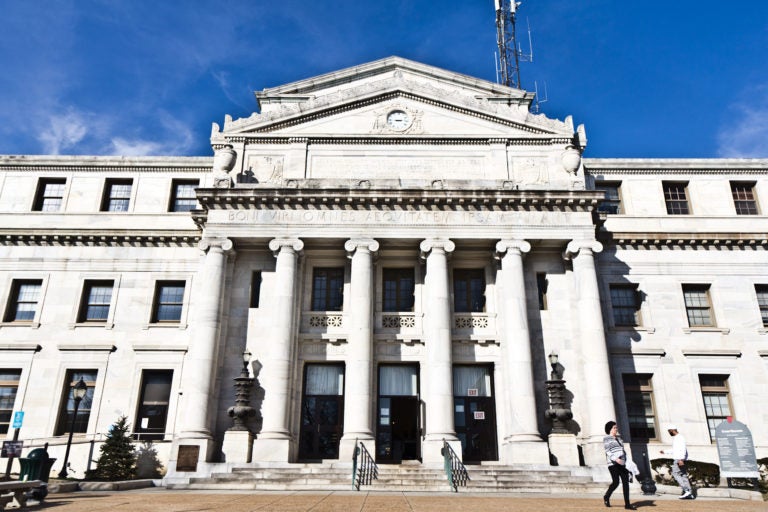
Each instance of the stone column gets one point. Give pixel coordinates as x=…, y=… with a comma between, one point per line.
x=197, y=381
x=438, y=388
x=273, y=443
x=359, y=400
x=598, y=399
x=522, y=442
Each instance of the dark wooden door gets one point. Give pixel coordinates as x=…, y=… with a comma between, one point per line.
x=321, y=427
x=475, y=423
x=397, y=436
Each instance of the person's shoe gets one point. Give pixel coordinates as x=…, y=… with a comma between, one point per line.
x=630, y=507
x=606, y=501
x=686, y=496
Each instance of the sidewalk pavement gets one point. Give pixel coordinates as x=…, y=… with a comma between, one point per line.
x=159, y=499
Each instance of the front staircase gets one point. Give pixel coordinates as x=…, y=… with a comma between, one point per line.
x=398, y=478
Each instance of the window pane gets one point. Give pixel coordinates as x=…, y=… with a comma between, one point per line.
x=118, y=195
x=50, y=194
x=184, y=198
x=153, y=406
x=169, y=301
x=324, y=379
x=327, y=289
x=762, y=300
x=624, y=305
x=744, y=198
x=98, y=296
x=468, y=290
x=24, y=299
x=638, y=395
x=714, y=391
x=398, y=289
x=675, y=198
x=697, y=306
x=612, y=202
x=66, y=414
x=9, y=385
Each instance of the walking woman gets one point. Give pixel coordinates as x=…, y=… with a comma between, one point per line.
x=617, y=464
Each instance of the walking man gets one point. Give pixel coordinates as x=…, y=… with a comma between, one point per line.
x=679, y=456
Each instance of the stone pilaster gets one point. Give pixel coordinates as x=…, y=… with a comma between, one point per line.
x=273, y=443
x=521, y=441
x=359, y=399
x=200, y=364
x=438, y=388
x=592, y=347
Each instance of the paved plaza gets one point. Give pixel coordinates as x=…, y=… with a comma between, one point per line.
x=198, y=501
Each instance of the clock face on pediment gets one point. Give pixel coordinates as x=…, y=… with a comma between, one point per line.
x=398, y=120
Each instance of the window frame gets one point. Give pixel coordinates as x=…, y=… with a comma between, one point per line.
x=712, y=391
x=139, y=432
x=175, y=198
x=85, y=305
x=5, y=426
x=108, y=197
x=467, y=276
x=611, y=205
x=748, y=200
x=674, y=203
x=327, y=296
x=11, y=309
x=761, y=293
x=39, y=204
x=64, y=421
x=157, y=304
x=690, y=288
x=397, y=275
x=635, y=306
x=642, y=387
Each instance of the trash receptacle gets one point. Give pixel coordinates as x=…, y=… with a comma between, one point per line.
x=37, y=466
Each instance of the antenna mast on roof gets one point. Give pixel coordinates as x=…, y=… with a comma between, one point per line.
x=508, y=64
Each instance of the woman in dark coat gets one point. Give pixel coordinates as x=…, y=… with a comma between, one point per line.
x=617, y=464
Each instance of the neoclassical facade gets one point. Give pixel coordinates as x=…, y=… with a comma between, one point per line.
x=400, y=248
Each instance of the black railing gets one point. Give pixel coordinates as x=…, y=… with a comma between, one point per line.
x=454, y=468
x=366, y=471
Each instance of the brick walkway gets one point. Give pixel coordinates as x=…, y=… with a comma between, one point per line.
x=153, y=500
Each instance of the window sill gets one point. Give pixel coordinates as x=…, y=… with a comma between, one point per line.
x=32, y=325
x=101, y=325
x=31, y=347
x=721, y=330
x=639, y=352
x=159, y=347
x=762, y=330
x=95, y=347
x=628, y=328
x=169, y=325
x=712, y=353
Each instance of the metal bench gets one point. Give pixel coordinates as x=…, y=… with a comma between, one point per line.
x=16, y=490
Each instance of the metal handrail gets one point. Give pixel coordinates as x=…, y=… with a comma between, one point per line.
x=367, y=470
x=454, y=468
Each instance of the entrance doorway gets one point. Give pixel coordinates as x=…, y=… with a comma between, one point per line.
x=474, y=412
x=397, y=433
x=322, y=412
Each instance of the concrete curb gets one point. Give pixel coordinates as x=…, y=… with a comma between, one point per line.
x=715, y=492
x=125, y=485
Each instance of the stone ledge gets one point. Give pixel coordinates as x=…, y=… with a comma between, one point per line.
x=124, y=485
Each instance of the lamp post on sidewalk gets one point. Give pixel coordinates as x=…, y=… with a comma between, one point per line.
x=78, y=393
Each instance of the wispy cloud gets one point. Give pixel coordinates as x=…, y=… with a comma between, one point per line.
x=746, y=134
x=64, y=131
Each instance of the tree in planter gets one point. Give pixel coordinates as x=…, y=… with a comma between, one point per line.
x=117, y=460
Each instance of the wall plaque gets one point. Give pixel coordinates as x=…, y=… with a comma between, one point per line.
x=736, y=450
x=187, y=457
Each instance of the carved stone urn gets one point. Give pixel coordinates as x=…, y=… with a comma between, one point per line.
x=571, y=159
x=223, y=161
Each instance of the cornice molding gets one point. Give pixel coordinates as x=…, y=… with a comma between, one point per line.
x=100, y=239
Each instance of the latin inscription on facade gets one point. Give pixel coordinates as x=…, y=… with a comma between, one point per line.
x=365, y=166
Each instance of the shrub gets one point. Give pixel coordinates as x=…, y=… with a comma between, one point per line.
x=701, y=474
x=117, y=460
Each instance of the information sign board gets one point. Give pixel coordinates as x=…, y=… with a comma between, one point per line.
x=736, y=450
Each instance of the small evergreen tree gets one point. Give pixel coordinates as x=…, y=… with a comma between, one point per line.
x=117, y=460
x=147, y=463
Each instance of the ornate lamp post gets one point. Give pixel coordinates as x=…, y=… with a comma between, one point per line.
x=557, y=412
x=242, y=409
x=78, y=393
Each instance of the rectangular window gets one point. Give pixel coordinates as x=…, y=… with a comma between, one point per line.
x=327, y=289
x=698, y=306
x=169, y=299
x=675, y=198
x=717, y=403
x=255, y=288
x=398, y=289
x=468, y=290
x=25, y=295
x=612, y=202
x=744, y=198
x=155, y=396
x=94, y=306
x=638, y=395
x=9, y=385
x=762, y=300
x=183, y=198
x=541, y=286
x=117, y=195
x=67, y=409
x=625, y=305
x=50, y=194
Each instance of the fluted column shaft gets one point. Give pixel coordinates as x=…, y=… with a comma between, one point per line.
x=437, y=327
x=200, y=365
x=278, y=364
x=520, y=422
x=592, y=346
x=359, y=387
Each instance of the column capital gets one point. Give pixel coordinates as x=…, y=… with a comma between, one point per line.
x=511, y=245
x=277, y=244
x=353, y=244
x=430, y=244
x=225, y=244
x=576, y=246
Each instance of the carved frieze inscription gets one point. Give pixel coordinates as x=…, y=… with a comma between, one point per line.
x=414, y=167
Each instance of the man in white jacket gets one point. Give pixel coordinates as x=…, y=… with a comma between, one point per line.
x=679, y=456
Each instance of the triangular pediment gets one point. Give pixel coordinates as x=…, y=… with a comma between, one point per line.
x=394, y=97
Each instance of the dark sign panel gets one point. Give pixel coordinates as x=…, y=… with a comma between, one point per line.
x=187, y=458
x=736, y=450
x=11, y=449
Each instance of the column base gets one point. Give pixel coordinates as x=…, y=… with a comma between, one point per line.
x=237, y=446
x=525, y=451
x=271, y=450
x=563, y=449
x=188, y=454
x=431, y=450
x=594, y=451
x=347, y=446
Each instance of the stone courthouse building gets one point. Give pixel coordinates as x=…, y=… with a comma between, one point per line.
x=400, y=248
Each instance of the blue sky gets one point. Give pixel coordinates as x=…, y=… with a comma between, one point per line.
x=650, y=79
